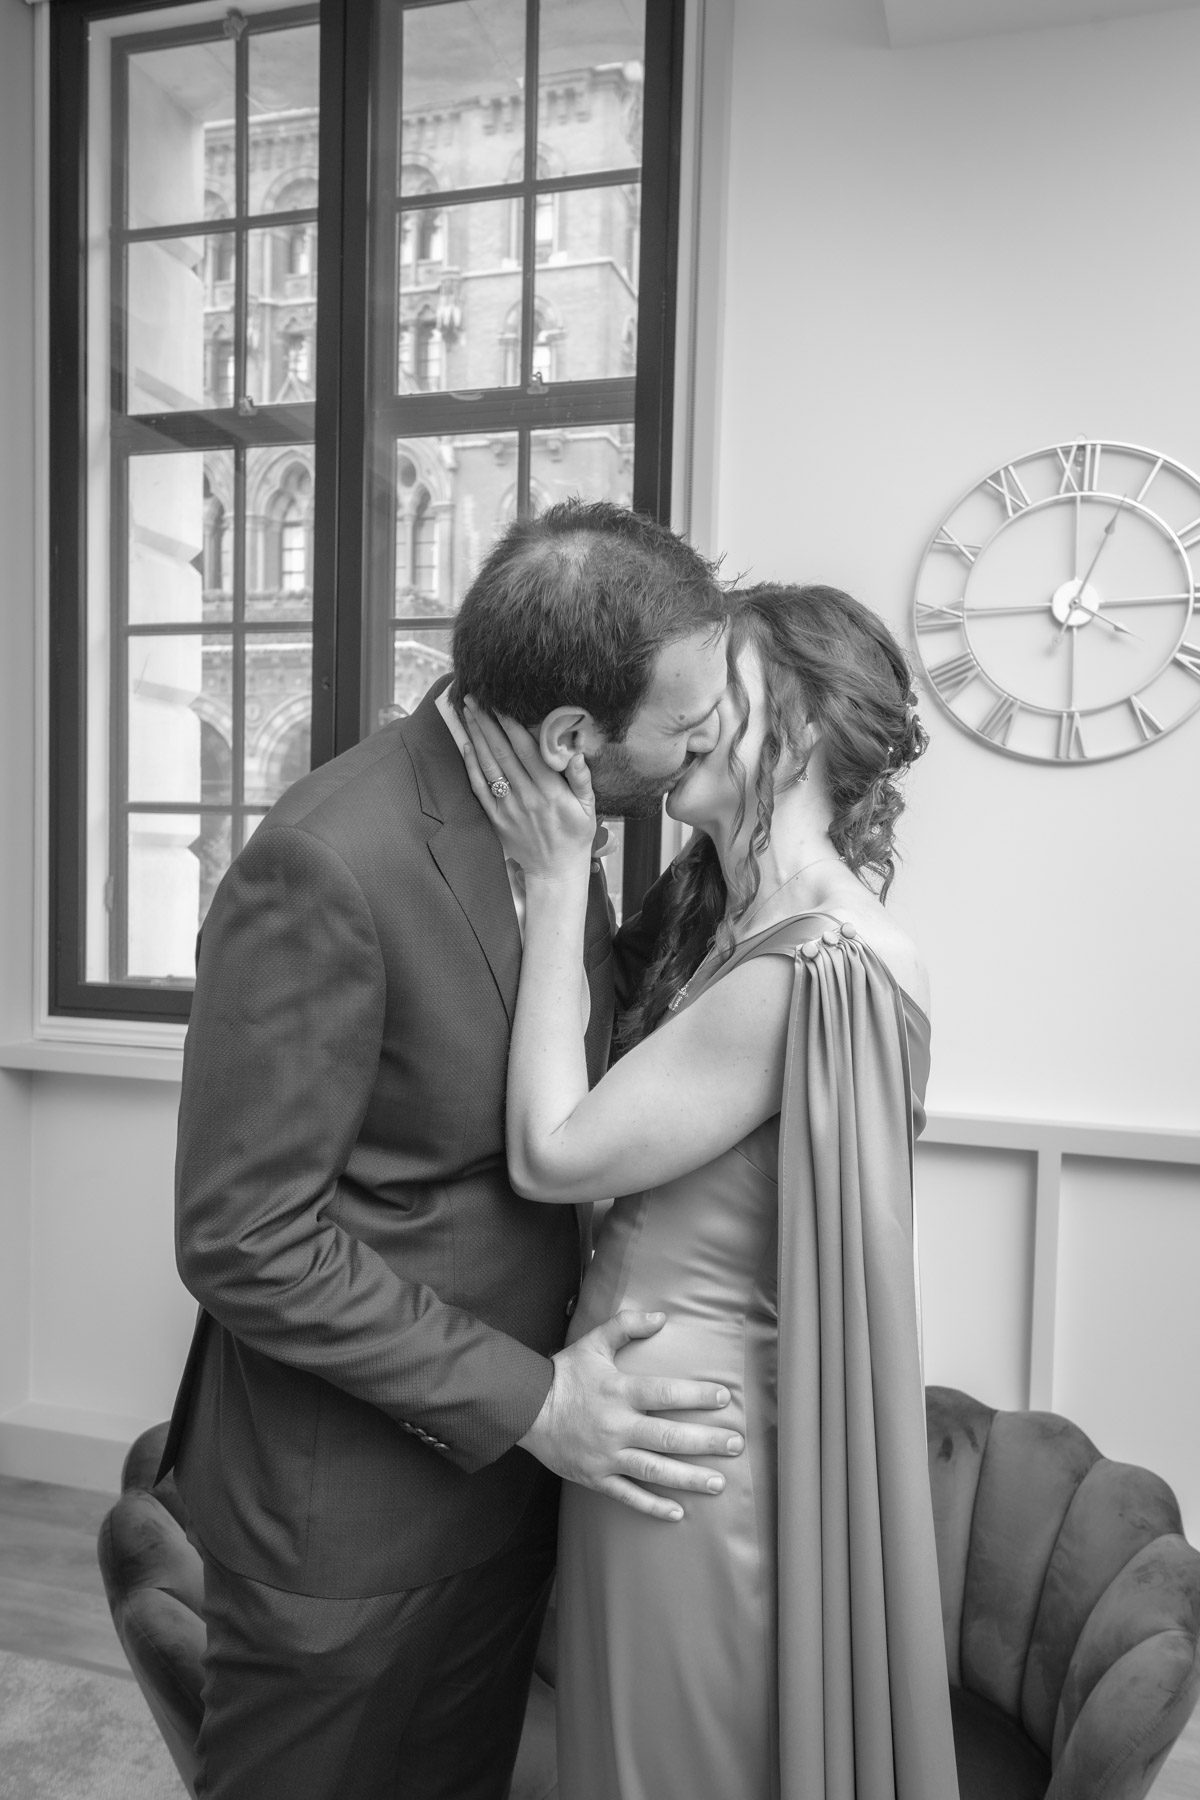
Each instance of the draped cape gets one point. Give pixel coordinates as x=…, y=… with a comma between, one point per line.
x=864, y=1708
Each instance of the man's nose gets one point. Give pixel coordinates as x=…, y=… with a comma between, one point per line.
x=705, y=736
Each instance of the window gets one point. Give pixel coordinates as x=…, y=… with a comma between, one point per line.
x=247, y=580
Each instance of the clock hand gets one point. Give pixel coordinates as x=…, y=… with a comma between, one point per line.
x=1115, y=625
x=1104, y=537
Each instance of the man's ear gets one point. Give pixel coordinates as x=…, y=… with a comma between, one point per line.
x=564, y=731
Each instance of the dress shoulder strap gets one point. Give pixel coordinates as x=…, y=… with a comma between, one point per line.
x=786, y=938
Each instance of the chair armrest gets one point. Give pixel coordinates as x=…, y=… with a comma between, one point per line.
x=1133, y=1679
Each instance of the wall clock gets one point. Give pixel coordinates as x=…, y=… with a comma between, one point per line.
x=1057, y=608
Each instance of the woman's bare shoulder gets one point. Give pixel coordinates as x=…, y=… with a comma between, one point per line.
x=891, y=943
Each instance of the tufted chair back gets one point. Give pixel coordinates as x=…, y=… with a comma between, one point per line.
x=1070, y=1602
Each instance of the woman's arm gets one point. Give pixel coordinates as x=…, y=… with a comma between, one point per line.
x=692, y=1089
x=695, y=1087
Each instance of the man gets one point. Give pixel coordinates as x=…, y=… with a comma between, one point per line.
x=376, y=1401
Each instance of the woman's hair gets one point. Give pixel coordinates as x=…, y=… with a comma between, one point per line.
x=829, y=663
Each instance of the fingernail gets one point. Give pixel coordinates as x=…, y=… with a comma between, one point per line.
x=722, y=1396
x=657, y=1318
x=715, y=1484
x=676, y=1515
x=734, y=1445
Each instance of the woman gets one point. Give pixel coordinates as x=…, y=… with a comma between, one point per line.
x=785, y=1639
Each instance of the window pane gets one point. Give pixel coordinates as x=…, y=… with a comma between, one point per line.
x=585, y=297
x=460, y=297
x=173, y=95
x=279, y=532
x=208, y=718
x=593, y=461
x=211, y=848
x=590, y=83
x=163, y=885
x=281, y=314
x=283, y=79
x=462, y=95
x=177, y=539
x=454, y=495
x=165, y=326
x=278, y=712
x=163, y=727
x=419, y=658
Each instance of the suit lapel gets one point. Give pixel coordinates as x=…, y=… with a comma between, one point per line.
x=464, y=846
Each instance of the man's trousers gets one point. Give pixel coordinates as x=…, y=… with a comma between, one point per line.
x=418, y=1695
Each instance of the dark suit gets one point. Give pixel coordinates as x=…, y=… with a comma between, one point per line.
x=378, y=1307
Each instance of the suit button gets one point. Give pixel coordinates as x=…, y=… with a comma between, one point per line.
x=569, y=1308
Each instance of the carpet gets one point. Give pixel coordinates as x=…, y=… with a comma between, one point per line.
x=74, y=1734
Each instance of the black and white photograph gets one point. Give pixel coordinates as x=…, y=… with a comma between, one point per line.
x=599, y=972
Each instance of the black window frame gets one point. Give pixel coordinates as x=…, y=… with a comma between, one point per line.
x=340, y=420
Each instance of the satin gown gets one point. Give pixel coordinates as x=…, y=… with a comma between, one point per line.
x=668, y=1683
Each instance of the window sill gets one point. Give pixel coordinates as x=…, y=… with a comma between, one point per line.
x=129, y=1063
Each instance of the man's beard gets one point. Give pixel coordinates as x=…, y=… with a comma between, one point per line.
x=625, y=792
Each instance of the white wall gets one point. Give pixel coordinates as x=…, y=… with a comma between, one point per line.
x=93, y=1322
x=938, y=258
x=16, y=677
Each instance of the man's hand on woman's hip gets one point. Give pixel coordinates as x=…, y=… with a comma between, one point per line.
x=599, y=1427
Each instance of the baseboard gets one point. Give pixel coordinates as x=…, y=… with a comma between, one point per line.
x=67, y=1445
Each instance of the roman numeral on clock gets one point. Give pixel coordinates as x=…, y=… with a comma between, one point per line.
x=1007, y=484
x=951, y=676
x=1189, y=535
x=946, y=540
x=997, y=723
x=1147, y=724
x=1081, y=479
x=939, y=618
x=1188, y=657
x=1070, y=739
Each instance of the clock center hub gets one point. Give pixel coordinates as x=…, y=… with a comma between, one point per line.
x=1075, y=603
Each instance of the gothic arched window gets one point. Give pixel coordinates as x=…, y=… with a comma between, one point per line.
x=289, y=538
x=547, y=336
x=293, y=551
x=423, y=229
x=300, y=250
x=424, y=548
x=429, y=361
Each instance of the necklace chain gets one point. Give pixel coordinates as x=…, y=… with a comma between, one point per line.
x=678, y=998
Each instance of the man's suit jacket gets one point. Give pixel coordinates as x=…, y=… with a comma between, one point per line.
x=378, y=1307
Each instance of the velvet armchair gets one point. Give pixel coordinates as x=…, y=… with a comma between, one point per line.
x=1070, y=1601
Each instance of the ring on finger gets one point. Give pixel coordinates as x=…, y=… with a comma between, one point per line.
x=500, y=788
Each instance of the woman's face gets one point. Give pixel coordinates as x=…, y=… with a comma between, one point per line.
x=708, y=794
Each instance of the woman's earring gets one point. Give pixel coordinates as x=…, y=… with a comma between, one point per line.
x=804, y=773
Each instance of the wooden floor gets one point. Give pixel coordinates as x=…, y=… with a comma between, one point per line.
x=52, y=1601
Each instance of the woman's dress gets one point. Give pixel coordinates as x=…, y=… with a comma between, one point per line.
x=783, y=1641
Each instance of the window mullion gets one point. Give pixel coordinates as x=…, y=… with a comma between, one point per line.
x=116, y=887
x=241, y=205
x=237, y=651
x=529, y=222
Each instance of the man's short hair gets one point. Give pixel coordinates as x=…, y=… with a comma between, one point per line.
x=571, y=608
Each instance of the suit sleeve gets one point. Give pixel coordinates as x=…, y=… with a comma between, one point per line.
x=280, y=1063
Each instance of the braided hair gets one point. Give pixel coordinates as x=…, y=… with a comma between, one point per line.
x=829, y=663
